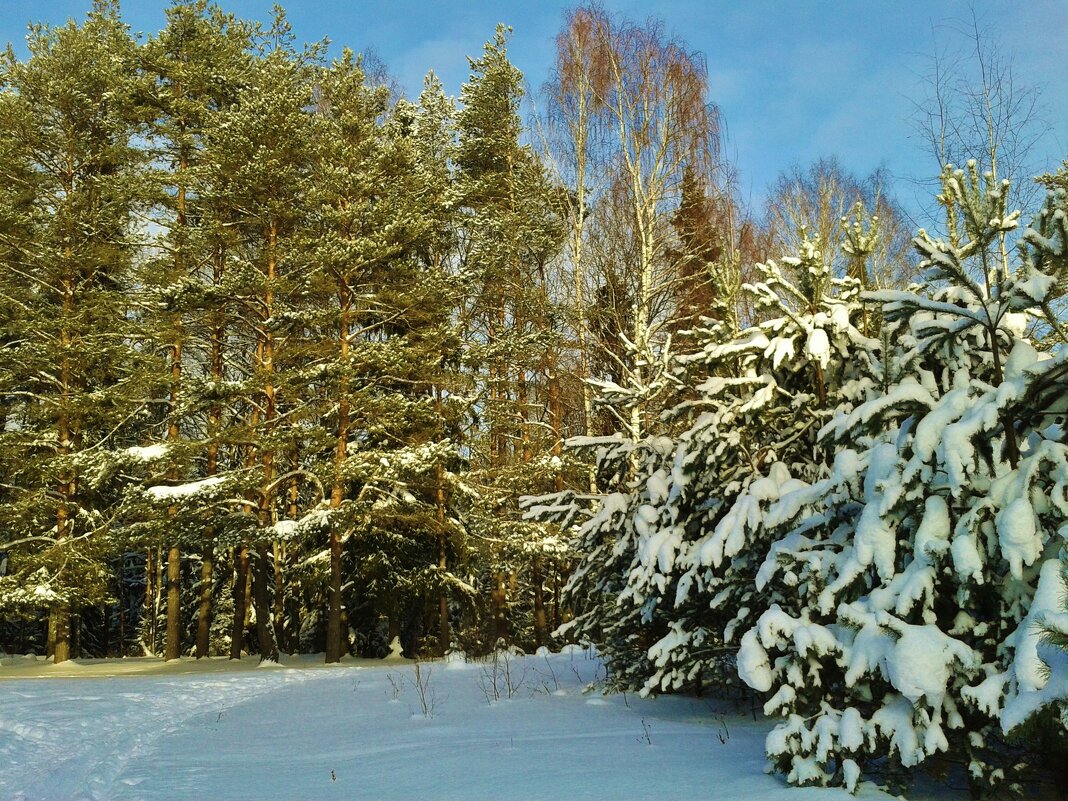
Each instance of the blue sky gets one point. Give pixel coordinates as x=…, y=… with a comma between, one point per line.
x=795, y=79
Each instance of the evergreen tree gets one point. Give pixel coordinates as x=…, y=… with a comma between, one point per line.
x=700, y=234
x=761, y=398
x=382, y=356
x=513, y=227
x=432, y=140
x=669, y=558
x=193, y=66
x=261, y=163
x=71, y=367
x=906, y=580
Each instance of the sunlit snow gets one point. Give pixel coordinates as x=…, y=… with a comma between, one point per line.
x=142, y=729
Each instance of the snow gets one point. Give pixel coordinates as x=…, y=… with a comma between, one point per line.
x=754, y=667
x=1018, y=535
x=894, y=721
x=285, y=529
x=966, y=559
x=780, y=348
x=1037, y=287
x=657, y=486
x=920, y=664
x=144, y=729
x=164, y=493
x=818, y=347
x=932, y=537
x=148, y=453
x=909, y=391
x=875, y=542
x=931, y=429
x=1040, y=669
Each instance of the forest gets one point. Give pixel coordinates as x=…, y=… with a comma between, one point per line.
x=293, y=363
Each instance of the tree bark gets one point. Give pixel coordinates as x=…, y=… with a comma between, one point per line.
x=174, y=605
x=498, y=610
x=540, y=620
x=333, y=619
x=150, y=591
x=172, y=649
x=443, y=565
x=237, y=635
x=218, y=335
x=261, y=593
x=59, y=633
x=279, y=595
x=444, y=634
x=207, y=583
x=337, y=493
x=59, y=617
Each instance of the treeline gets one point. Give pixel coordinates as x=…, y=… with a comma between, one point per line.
x=281, y=348
x=276, y=342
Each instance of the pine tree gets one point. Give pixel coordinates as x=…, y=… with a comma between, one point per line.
x=389, y=322
x=433, y=141
x=701, y=245
x=193, y=66
x=261, y=166
x=16, y=238
x=761, y=397
x=1046, y=699
x=670, y=557
x=513, y=227
x=71, y=367
x=217, y=392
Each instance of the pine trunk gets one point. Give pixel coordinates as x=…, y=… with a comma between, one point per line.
x=337, y=494
x=172, y=649
x=174, y=605
x=498, y=610
x=237, y=635
x=59, y=616
x=279, y=596
x=540, y=620
x=444, y=634
x=333, y=620
x=207, y=582
x=150, y=593
x=59, y=633
x=261, y=594
x=212, y=468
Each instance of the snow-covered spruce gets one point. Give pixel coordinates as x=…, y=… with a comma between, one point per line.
x=761, y=397
x=605, y=529
x=902, y=582
x=669, y=557
x=607, y=524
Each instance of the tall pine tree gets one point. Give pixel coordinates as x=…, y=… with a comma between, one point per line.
x=71, y=364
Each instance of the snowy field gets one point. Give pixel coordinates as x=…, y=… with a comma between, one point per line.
x=214, y=730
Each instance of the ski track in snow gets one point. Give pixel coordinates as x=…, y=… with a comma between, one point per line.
x=73, y=739
x=345, y=733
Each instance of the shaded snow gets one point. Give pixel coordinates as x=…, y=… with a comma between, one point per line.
x=1040, y=669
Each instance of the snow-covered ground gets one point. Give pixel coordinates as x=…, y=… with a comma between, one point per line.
x=214, y=730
